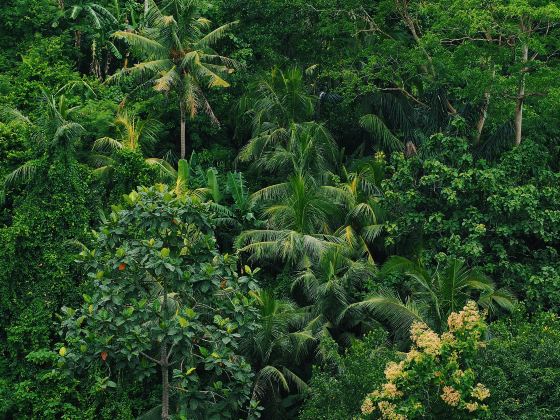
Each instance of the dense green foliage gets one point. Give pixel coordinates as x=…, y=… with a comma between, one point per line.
x=240, y=209
x=337, y=390
x=520, y=366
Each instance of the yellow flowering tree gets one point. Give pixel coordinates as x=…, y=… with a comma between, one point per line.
x=435, y=379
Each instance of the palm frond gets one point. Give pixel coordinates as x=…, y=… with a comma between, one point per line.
x=214, y=36
x=21, y=175
x=397, y=264
x=375, y=126
x=165, y=170
x=10, y=114
x=106, y=144
x=267, y=377
x=387, y=306
x=142, y=44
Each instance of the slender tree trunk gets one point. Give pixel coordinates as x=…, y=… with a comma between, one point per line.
x=482, y=119
x=164, y=383
x=415, y=32
x=164, y=364
x=107, y=64
x=483, y=113
x=183, y=130
x=518, y=123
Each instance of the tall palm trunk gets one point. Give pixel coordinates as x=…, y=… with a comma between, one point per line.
x=183, y=130
x=518, y=123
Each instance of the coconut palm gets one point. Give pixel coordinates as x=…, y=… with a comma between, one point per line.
x=308, y=149
x=298, y=227
x=282, y=340
x=132, y=134
x=330, y=286
x=54, y=136
x=278, y=100
x=283, y=133
x=382, y=136
x=365, y=215
x=176, y=56
x=434, y=294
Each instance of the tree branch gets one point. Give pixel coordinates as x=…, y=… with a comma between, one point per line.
x=151, y=358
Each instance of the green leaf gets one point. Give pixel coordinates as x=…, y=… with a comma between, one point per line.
x=183, y=322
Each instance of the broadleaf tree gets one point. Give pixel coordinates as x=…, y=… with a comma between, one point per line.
x=162, y=297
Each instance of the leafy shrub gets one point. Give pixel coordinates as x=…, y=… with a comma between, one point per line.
x=437, y=377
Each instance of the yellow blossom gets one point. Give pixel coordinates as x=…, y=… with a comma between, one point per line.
x=457, y=375
x=417, y=329
x=367, y=407
x=451, y=396
x=388, y=411
x=480, y=392
x=393, y=370
x=413, y=355
x=430, y=342
x=447, y=338
x=467, y=318
x=454, y=321
x=390, y=390
x=471, y=406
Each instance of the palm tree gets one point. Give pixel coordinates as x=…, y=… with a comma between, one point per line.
x=299, y=212
x=54, y=136
x=365, y=215
x=278, y=100
x=281, y=341
x=176, y=56
x=375, y=126
x=132, y=134
x=283, y=133
x=434, y=295
x=330, y=286
x=307, y=149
